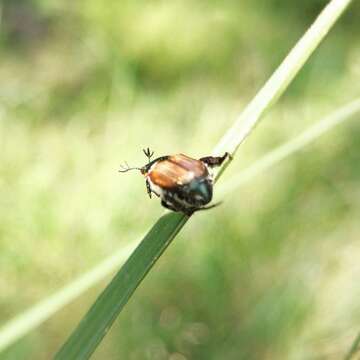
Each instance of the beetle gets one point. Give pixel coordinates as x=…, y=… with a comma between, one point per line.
x=183, y=184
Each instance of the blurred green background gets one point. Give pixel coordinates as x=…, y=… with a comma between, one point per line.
x=272, y=273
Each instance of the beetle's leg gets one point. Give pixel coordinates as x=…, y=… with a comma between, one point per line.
x=148, y=153
x=168, y=206
x=151, y=163
x=208, y=207
x=148, y=188
x=184, y=210
x=213, y=161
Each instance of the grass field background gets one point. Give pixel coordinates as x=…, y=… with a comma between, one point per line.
x=273, y=272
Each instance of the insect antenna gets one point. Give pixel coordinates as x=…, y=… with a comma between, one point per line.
x=126, y=167
x=148, y=154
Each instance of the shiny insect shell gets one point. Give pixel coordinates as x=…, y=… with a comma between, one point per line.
x=184, y=184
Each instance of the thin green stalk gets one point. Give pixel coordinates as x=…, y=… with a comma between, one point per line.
x=280, y=79
x=355, y=348
x=273, y=157
x=102, y=314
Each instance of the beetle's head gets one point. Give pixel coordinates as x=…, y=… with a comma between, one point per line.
x=144, y=169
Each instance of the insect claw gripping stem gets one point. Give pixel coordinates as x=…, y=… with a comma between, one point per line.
x=214, y=161
x=209, y=206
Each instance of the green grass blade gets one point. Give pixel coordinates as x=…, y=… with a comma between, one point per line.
x=106, y=308
x=282, y=77
x=83, y=342
x=355, y=348
x=344, y=113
